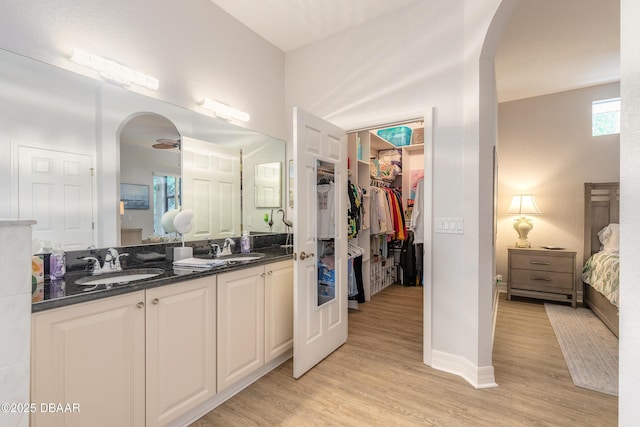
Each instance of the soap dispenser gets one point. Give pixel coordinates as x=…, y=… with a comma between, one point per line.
x=57, y=263
x=245, y=242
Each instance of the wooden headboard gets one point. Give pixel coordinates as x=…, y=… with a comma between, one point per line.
x=601, y=207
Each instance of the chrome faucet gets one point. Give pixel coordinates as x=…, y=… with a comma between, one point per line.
x=112, y=261
x=215, y=249
x=95, y=270
x=228, y=246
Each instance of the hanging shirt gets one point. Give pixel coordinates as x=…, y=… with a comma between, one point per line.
x=417, y=216
x=326, y=211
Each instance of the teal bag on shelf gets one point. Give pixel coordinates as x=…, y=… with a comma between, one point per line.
x=398, y=136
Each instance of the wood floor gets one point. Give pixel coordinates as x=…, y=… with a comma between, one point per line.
x=378, y=379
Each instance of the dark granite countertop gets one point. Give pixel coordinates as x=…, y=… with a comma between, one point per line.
x=71, y=293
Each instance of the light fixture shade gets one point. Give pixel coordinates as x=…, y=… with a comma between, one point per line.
x=523, y=204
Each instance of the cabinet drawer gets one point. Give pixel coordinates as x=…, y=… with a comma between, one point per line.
x=538, y=280
x=542, y=262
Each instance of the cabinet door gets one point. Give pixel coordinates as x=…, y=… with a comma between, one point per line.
x=181, y=337
x=240, y=324
x=278, y=303
x=90, y=355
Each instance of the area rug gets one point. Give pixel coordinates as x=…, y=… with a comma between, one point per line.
x=590, y=349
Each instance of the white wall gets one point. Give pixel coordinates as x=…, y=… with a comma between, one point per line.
x=629, y=385
x=397, y=67
x=545, y=148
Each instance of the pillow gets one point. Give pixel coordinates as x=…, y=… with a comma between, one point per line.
x=610, y=238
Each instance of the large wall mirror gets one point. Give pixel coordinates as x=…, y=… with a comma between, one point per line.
x=75, y=143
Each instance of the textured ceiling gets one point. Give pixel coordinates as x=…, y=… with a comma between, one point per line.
x=549, y=45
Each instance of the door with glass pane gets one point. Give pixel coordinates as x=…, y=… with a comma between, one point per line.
x=320, y=267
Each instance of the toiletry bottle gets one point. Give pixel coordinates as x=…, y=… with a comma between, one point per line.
x=56, y=263
x=245, y=242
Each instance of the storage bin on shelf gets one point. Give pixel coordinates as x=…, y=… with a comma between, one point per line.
x=398, y=136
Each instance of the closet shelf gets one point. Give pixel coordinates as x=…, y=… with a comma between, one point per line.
x=378, y=143
x=414, y=147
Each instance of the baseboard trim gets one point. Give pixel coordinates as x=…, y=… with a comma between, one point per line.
x=478, y=376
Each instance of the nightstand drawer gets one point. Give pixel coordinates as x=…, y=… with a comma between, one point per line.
x=542, y=262
x=536, y=279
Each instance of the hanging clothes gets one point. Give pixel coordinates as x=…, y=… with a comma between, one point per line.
x=408, y=262
x=355, y=283
x=355, y=213
x=417, y=216
x=326, y=210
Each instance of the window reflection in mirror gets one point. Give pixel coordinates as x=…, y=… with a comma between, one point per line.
x=166, y=197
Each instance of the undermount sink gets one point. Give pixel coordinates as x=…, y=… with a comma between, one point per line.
x=120, y=277
x=252, y=256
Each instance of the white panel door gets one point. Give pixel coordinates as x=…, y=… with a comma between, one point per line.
x=320, y=309
x=267, y=185
x=211, y=187
x=56, y=189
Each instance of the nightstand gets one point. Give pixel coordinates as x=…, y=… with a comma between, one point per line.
x=542, y=273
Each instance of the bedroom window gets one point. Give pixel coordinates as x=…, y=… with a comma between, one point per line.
x=605, y=117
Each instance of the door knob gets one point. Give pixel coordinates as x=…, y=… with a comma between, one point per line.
x=140, y=304
x=304, y=255
x=155, y=300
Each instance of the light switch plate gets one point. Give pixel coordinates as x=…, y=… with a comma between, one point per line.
x=449, y=225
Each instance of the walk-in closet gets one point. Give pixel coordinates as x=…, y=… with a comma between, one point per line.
x=386, y=174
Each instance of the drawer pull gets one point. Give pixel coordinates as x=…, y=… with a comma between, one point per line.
x=539, y=263
x=546, y=279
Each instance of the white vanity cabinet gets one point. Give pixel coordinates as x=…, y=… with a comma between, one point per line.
x=255, y=319
x=142, y=358
x=91, y=355
x=161, y=356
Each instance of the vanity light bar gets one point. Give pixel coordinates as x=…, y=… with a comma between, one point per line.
x=111, y=70
x=224, y=111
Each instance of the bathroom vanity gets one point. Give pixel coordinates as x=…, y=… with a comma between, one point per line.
x=165, y=350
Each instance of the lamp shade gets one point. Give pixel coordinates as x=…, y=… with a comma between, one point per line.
x=523, y=204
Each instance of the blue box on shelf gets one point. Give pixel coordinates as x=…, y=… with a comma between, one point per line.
x=398, y=136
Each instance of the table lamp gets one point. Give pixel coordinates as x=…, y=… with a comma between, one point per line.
x=523, y=204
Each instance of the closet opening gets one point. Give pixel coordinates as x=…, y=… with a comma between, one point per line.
x=386, y=214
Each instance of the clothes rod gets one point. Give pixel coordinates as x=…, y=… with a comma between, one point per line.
x=325, y=171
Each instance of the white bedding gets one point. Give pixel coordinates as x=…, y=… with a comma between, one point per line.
x=602, y=272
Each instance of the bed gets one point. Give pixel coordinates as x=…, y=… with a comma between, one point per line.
x=601, y=266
